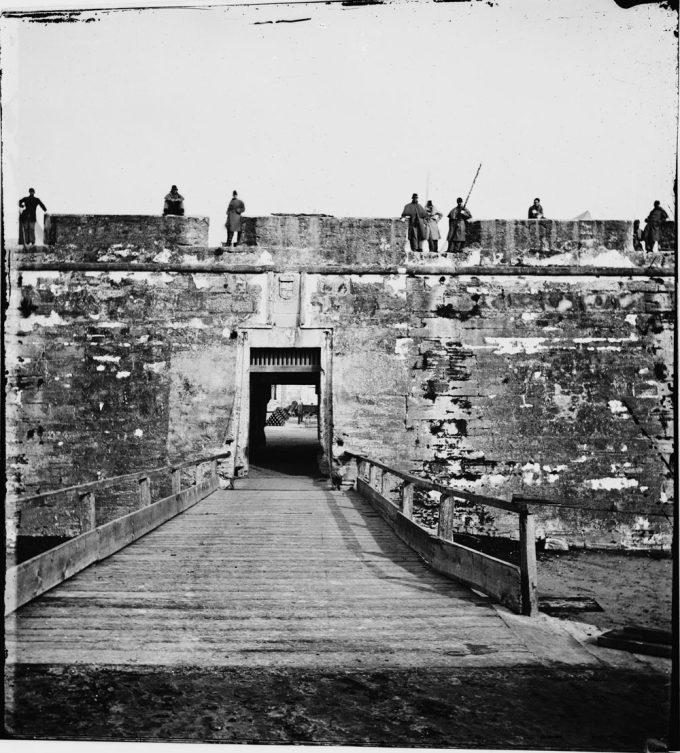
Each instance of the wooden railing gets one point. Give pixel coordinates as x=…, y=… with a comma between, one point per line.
x=33, y=577
x=513, y=586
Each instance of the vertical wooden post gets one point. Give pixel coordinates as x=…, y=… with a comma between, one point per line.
x=176, y=480
x=407, y=500
x=88, y=500
x=527, y=554
x=381, y=481
x=372, y=471
x=361, y=470
x=213, y=472
x=445, y=527
x=144, y=492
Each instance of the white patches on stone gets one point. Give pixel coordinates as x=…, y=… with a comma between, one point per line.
x=38, y=320
x=139, y=433
x=156, y=368
x=112, y=359
x=538, y=376
x=475, y=257
x=203, y=281
x=265, y=258
x=190, y=259
x=33, y=278
x=564, y=305
x=617, y=408
x=111, y=325
x=552, y=477
x=143, y=339
x=632, y=319
x=118, y=276
x=496, y=479
x=195, y=323
x=368, y=279
x=163, y=257
x=60, y=444
x=396, y=284
x=529, y=316
x=122, y=374
x=101, y=368
x=612, y=483
x=160, y=278
x=531, y=473
x=643, y=371
x=402, y=346
x=401, y=270
x=513, y=345
x=95, y=317
x=608, y=259
x=101, y=405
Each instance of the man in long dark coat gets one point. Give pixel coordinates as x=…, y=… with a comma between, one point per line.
x=458, y=216
x=234, y=211
x=27, y=218
x=417, y=223
x=653, y=228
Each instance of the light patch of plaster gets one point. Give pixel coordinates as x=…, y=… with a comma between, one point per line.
x=609, y=258
x=513, y=345
x=402, y=346
x=156, y=367
x=122, y=374
x=111, y=325
x=531, y=473
x=33, y=278
x=112, y=359
x=564, y=305
x=618, y=408
x=612, y=483
x=164, y=256
x=632, y=319
x=139, y=433
x=203, y=281
x=396, y=284
x=529, y=316
x=38, y=320
x=496, y=479
x=101, y=368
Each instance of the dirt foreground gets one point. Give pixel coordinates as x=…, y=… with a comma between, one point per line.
x=581, y=709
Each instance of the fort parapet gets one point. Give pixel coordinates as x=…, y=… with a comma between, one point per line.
x=539, y=362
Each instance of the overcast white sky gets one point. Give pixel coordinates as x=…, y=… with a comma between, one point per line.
x=348, y=113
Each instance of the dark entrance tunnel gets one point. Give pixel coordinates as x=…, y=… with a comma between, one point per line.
x=284, y=410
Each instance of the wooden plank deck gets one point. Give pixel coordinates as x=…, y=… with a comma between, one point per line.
x=279, y=572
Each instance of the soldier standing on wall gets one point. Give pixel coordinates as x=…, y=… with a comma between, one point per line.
x=234, y=211
x=536, y=210
x=27, y=218
x=174, y=202
x=458, y=217
x=417, y=223
x=433, y=236
x=654, y=221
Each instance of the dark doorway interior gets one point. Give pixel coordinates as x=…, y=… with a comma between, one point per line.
x=284, y=410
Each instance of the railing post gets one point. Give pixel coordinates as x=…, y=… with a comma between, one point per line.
x=372, y=474
x=527, y=555
x=407, y=500
x=144, y=492
x=381, y=481
x=88, y=499
x=176, y=480
x=445, y=527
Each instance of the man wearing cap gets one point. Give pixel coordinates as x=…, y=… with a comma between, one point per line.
x=234, y=211
x=174, y=202
x=654, y=221
x=417, y=223
x=458, y=218
x=27, y=218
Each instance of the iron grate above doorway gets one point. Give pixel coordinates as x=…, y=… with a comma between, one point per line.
x=307, y=359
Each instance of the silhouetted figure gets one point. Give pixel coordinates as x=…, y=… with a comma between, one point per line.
x=174, y=202
x=433, y=235
x=27, y=218
x=654, y=222
x=458, y=218
x=535, y=210
x=417, y=223
x=637, y=236
x=234, y=211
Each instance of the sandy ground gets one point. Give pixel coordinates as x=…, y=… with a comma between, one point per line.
x=540, y=708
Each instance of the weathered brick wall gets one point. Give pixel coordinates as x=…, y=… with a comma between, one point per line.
x=556, y=387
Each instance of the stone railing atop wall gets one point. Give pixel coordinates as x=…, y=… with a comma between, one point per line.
x=104, y=230
x=320, y=239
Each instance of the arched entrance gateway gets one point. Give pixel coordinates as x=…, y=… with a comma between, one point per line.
x=273, y=366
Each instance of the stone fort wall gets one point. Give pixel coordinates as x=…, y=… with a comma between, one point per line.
x=538, y=363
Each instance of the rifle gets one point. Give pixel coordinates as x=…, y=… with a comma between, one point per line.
x=473, y=185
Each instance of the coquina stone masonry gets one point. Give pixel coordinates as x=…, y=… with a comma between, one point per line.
x=538, y=363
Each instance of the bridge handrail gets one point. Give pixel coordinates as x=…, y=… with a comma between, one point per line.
x=480, y=565
x=91, y=486
x=28, y=579
x=423, y=483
